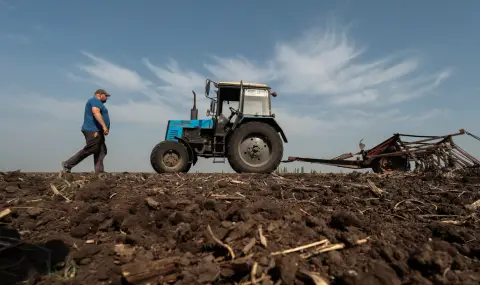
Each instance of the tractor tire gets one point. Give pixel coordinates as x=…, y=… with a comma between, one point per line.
x=177, y=162
x=255, y=138
x=390, y=164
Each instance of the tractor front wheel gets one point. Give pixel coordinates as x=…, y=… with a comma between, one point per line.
x=255, y=147
x=170, y=156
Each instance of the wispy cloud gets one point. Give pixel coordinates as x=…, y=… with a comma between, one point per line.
x=103, y=72
x=321, y=68
x=328, y=63
x=241, y=67
x=174, y=80
x=173, y=86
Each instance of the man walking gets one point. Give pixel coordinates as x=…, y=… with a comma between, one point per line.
x=96, y=125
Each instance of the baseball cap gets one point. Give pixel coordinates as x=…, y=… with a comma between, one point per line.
x=102, y=91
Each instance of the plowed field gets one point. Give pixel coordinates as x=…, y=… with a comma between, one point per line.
x=239, y=229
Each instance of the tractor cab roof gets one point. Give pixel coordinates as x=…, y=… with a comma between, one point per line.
x=245, y=84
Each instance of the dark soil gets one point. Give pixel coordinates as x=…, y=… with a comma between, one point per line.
x=421, y=230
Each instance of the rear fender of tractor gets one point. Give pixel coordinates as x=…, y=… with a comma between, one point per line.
x=268, y=120
x=192, y=158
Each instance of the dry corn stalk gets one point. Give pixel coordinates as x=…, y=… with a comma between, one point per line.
x=374, y=188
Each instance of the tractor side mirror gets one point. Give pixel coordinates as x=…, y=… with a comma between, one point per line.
x=212, y=107
x=207, y=88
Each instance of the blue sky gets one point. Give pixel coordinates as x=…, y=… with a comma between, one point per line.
x=344, y=70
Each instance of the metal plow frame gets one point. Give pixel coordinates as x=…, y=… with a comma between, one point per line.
x=396, y=154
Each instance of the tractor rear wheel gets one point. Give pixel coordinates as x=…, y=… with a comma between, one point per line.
x=255, y=147
x=170, y=156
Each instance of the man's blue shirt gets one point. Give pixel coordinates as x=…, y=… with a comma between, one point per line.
x=90, y=124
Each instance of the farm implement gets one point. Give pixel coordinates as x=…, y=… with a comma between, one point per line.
x=397, y=154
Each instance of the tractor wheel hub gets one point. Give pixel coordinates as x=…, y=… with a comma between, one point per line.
x=254, y=150
x=170, y=158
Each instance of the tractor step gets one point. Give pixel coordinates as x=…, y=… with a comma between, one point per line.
x=221, y=155
x=218, y=159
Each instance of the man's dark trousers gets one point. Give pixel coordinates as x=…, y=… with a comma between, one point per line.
x=94, y=144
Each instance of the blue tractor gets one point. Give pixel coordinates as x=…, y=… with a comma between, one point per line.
x=241, y=129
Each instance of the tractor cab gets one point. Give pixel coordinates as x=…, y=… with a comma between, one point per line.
x=234, y=101
x=245, y=99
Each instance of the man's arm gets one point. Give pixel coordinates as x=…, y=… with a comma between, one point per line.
x=98, y=115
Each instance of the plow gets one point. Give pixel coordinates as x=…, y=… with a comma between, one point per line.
x=399, y=152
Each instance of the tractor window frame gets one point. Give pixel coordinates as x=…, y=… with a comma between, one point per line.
x=227, y=93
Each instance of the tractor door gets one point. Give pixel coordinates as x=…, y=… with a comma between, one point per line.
x=239, y=115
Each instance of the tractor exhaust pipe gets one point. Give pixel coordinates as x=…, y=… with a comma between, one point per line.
x=194, y=110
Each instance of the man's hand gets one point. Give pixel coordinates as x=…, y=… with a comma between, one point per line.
x=105, y=131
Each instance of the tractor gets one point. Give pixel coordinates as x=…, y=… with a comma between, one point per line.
x=241, y=128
